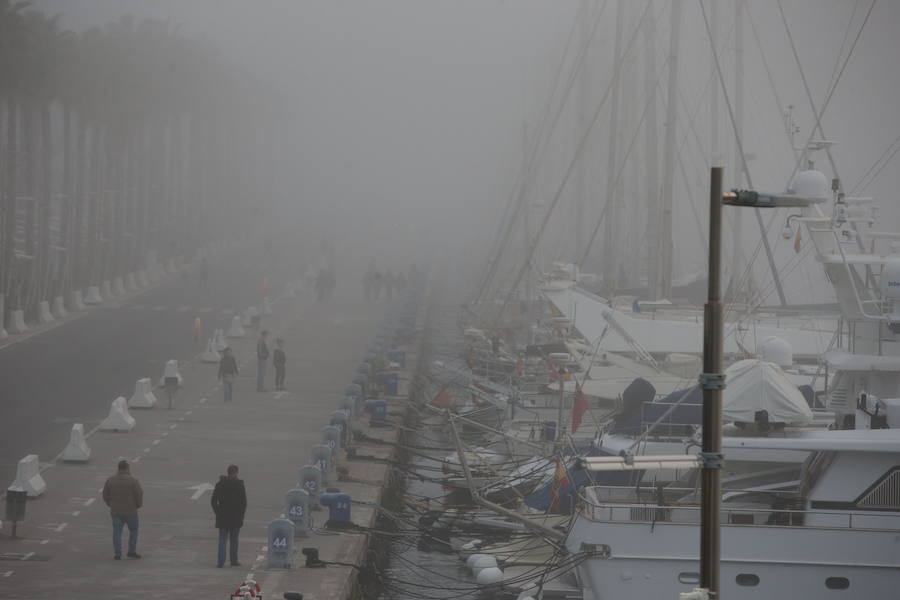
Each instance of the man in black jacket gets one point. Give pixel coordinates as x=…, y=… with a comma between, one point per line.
x=229, y=502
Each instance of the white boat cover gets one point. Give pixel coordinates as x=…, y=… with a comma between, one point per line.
x=752, y=385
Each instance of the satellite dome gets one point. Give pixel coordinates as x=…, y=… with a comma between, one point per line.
x=489, y=576
x=812, y=184
x=776, y=350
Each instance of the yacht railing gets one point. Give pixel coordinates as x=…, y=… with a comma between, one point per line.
x=611, y=504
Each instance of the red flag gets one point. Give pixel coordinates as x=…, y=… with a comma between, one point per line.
x=443, y=399
x=560, y=481
x=579, y=407
x=553, y=373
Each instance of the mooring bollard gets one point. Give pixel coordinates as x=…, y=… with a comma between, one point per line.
x=321, y=456
x=296, y=508
x=338, y=510
x=331, y=437
x=281, y=544
x=339, y=419
x=310, y=479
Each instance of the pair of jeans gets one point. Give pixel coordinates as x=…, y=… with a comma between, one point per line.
x=228, y=535
x=261, y=365
x=279, y=376
x=228, y=387
x=119, y=523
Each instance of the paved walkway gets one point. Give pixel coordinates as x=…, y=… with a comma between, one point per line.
x=66, y=551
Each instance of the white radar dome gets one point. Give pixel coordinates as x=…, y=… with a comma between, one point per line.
x=776, y=350
x=484, y=562
x=489, y=576
x=812, y=184
x=470, y=562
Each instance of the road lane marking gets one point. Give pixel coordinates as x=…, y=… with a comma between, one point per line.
x=60, y=527
x=202, y=400
x=76, y=513
x=156, y=442
x=165, y=433
x=29, y=555
x=91, y=500
x=8, y=574
x=180, y=419
x=146, y=450
x=205, y=309
x=173, y=425
x=159, y=308
x=189, y=413
x=182, y=308
x=201, y=489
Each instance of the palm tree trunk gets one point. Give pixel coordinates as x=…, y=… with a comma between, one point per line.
x=46, y=202
x=9, y=215
x=79, y=275
x=95, y=189
x=66, y=264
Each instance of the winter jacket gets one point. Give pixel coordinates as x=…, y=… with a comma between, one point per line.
x=262, y=349
x=279, y=358
x=123, y=494
x=227, y=366
x=229, y=502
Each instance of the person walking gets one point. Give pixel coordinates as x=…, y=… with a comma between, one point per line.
x=279, y=359
x=228, y=372
x=123, y=495
x=262, y=360
x=229, y=502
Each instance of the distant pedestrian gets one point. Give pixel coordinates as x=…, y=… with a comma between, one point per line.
x=279, y=359
x=400, y=283
x=228, y=372
x=389, y=285
x=262, y=358
x=204, y=272
x=123, y=495
x=322, y=284
x=377, y=280
x=229, y=502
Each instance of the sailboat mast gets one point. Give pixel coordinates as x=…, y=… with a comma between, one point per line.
x=664, y=283
x=610, y=223
x=581, y=176
x=739, y=173
x=651, y=159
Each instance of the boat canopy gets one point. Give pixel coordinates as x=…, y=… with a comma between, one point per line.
x=755, y=385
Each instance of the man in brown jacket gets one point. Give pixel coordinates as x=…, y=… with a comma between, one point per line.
x=124, y=496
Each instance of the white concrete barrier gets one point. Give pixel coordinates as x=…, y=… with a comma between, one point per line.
x=210, y=355
x=289, y=291
x=28, y=477
x=17, y=322
x=236, y=330
x=93, y=296
x=106, y=290
x=44, y=315
x=77, y=450
x=143, y=394
x=171, y=370
x=118, y=286
x=119, y=418
x=266, y=307
x=171, y=267
x=141, y=279
x=130, y=283
x=219, y=342
x=59, y=308
x=77, y=301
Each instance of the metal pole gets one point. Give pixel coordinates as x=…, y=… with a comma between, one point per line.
x=561, y=415
x=712, y=382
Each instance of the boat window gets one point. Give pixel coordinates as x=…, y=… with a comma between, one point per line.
x=689, y=577
x=747, y=579
x=837, y=583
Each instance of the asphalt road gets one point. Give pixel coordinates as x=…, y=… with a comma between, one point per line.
x=72, y=373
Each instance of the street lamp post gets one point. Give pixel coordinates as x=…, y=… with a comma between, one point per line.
x=712, y=381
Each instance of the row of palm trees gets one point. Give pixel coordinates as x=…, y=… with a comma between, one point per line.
x=117, y=144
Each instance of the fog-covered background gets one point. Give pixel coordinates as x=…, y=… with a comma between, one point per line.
x=402, y=125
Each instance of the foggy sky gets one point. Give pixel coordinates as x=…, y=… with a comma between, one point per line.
x=409, y=115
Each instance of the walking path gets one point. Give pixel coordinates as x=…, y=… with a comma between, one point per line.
x=178, y=454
